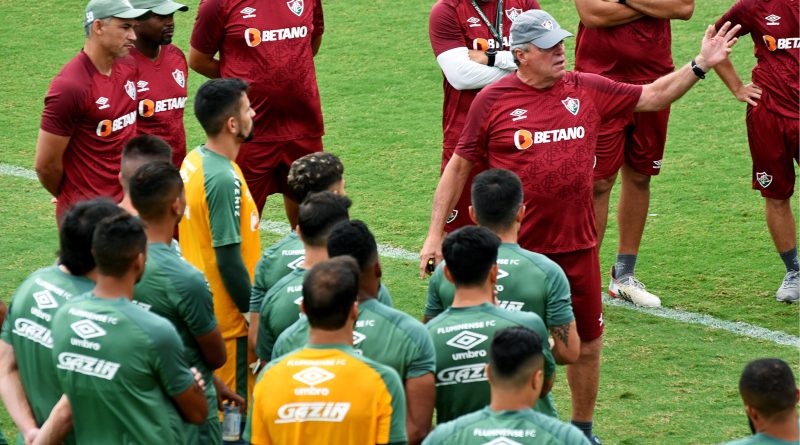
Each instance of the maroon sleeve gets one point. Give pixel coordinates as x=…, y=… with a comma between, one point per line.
x=443, y=28
x=319, y=20
x=739, y=14
x=612, y=99
x=209, y=28
x=474, y=140
x=63, y=105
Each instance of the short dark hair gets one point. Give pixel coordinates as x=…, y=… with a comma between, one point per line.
x=318, y=214
x=314, y=172
x=153, y=188
x=116, y=243
x=77, y=229
x=469, y=254
x=142, y=149
x=216, y=101
x=496, y=198
x=329, y=291
x=768, y=385
x=353, y=238
x=514, y=354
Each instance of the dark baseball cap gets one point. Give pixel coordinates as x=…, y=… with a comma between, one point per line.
x=103, y=9
x=538, y=28
x=160, y=7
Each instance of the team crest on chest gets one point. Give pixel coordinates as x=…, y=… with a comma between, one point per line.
x=764, y=179
x=179, y=77
x=572, y=105
x=513, y=13
x=296, y=6
x=130, y=88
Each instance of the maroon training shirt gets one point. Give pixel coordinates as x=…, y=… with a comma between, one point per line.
x=162, y=97
x=456, y=23
x=98, y=114
x=774, y=27
x=268, y=44
x=637, y=52
x=548, y=138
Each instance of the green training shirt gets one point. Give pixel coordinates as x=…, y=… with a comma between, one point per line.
x=461, y=338
x=28, y=330
x=178, y=291
x=381, y=333
x=281, y=308
x=278, y=261
x=120, y=365
x=760, y=439
x=526, y=427
x=526, y=281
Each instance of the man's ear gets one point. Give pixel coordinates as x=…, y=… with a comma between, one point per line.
x=520, y=214
x=472, y=215
x=447, y=274
x=493, y=274
x=378, y=270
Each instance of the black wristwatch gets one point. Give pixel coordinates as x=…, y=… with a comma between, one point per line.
x=697, y=70
x=490, y=54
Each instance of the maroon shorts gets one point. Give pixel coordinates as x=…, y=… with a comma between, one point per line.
x=774, y=143
x=459, y=216
x=265, y=165
x=637, y=140
x=582, y=268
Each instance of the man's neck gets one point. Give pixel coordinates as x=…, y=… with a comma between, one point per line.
x=472, y=296
x=127, y=205
x=149, y=49
x=535, y=81
x=366, y=295
x=91, y=275
x=223, y=146
x=100, y=58
x=512, y=399
x=508, y=236
x=113, y=287
x=314, y=255
x=160, y=231
x=343, y=336
x=783, y=429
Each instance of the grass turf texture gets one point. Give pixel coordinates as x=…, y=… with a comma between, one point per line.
x=706, y=248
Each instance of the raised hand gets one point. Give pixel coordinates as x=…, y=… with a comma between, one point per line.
x=716, y=45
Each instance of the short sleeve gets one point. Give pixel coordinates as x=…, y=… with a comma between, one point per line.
x=433, y=304
x=257, y=421
x=611, y=98
x=260, y=286
x=196, y=306
x=171, y=366
x=424, y=359
x=739, y=14
x=209, y=29
x=294, y=337
x=472, y=145
x=440, y=435
x=266, y=340
x=558, y=307
x=63, y=106
x=223, y=195
x=384, y=297
x=443, y=29
x=318, y=20
x=391, y=413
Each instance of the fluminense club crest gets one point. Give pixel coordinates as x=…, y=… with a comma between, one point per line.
x=572, y=105
x=296, y=6
x=130, y=88
x=513, y=13
x=179, y=77
x=764, y=179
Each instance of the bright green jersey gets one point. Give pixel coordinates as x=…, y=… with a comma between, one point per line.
x=120, y=366
x=281, y=308
x=278, y=261
x=761, y=439
x=178, y=291
x=526, y=281
x=507, y=428
x=28, y=330
x=461, y=338
x=383, y=334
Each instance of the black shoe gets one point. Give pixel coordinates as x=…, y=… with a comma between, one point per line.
x=595, y=441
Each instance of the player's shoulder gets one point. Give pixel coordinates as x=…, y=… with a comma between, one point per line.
x=448, y=432
x=127, y=64
x=444, y=6
x=291, y=239
x=172, y=50
x=388, y=375
x=75, y=76
x=535, y=259
x=403, y=322
x=565, y=433
x=524, y=318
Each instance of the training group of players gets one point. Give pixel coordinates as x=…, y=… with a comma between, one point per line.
x=162, y=311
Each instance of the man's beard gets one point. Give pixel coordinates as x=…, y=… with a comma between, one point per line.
x=247, y=138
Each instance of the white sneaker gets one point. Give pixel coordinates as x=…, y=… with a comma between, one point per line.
x=632, y=290
x=789, y=291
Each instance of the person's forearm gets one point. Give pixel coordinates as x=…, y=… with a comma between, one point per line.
x=234, y=275
x=448, y=191
x=58, y=424
x=664, y=9
x=730, y=78
x=316, y=42
x=50, y=177
x=603, y=14
x=12, y=391
x=204, y=64
x=670, y=88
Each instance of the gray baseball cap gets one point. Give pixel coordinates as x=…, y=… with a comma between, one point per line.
x=537, y=27
x=160, y=7
x=103, y=9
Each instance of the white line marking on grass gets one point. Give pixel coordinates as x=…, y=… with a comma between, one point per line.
x=735, y=327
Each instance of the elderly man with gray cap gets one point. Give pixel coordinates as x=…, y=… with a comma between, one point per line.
x=542, y=123
x=90, y=109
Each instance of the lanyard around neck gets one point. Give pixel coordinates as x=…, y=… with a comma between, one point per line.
x=497, y=29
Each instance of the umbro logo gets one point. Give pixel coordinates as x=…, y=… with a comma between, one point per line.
x=102, y=103
x=358, y=338
x=141, y=86
x=87, y=329
x=773, y=20
x=519, y=114
x=466, y=340
x=503, y=441
x=474, y=22
x=296, y=263
x=248, y=12
x=44, y=300
x=313, y=376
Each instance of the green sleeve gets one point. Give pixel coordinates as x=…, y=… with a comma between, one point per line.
x=384, y=297
x=234, y=275
x=558, y=307
x=434, y=305
x=424, y=360
x=260, y=287
x=265, y=340
x=294, y=337
x=440, y=435
x=535, y=323
x=397, y=430
x=223, y=196
x=171, y=366
x=196, y=306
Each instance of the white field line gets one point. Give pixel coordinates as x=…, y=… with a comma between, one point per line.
x=737, y=328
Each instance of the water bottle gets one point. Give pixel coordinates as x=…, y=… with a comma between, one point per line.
x=231, y=422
